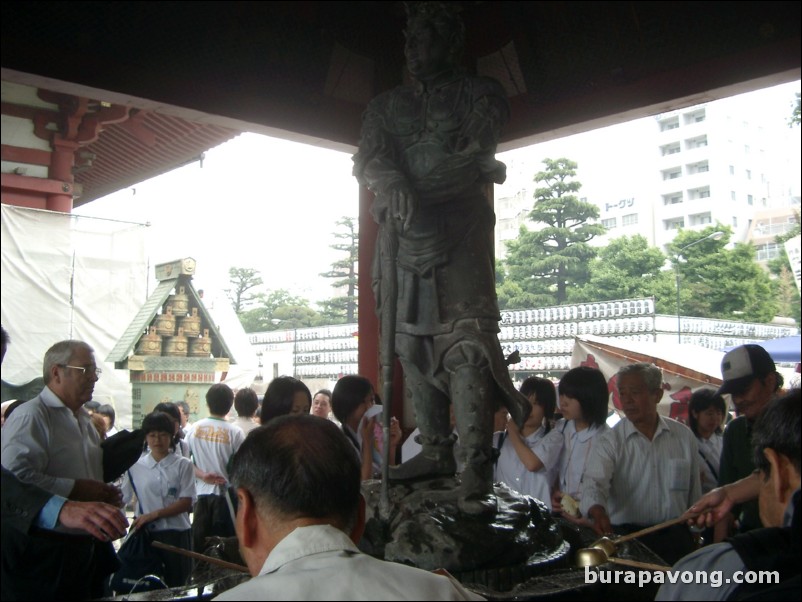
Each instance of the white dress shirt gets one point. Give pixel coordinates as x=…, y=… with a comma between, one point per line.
x=321, y=562
x=577, y=447
x=643, y=482
x=511, y=471
x=45, y=443
x=161, y=484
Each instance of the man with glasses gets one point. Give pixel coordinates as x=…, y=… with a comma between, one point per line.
x=50, y=442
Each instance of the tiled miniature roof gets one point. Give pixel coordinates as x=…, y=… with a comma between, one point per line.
x=143, y=320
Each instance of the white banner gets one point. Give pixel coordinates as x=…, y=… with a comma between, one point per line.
x=70, y=277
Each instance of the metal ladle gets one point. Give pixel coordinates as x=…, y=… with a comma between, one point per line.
x=609, y=546
x=597, y=557
x=602, y=550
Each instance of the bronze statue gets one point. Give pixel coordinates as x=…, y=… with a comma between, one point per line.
x=427, y=151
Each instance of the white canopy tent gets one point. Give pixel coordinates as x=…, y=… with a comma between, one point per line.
x=685, y=367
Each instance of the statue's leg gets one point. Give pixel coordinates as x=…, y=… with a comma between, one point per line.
x=471, y=388
x=432, y=415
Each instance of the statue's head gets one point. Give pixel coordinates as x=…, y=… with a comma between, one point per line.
x=435, y=37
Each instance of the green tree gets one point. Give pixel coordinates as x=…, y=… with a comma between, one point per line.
x=784, y=291
x=544, y=261
x=242, y=280
x=627, y=267
x=332, y=311
x=345, y=272
x=783, y=286
x=279, y=310
x=715, y=282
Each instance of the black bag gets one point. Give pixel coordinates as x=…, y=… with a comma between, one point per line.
x=137, y=558
x=120, y=452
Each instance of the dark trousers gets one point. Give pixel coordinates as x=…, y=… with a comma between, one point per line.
x=211, y=517
x=177, y=568
x=45, y=565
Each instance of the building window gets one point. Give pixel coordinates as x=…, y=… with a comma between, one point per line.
x=700, y=167
x=609, y=223
x=694, y=116
x=672, y=199
x=700, y=219
x=732, y=195
x=674, y=224
x=768, y=251
x=670, y=149
x=699, y=193
x=748, y=174
x=672, y=174
x=734, y=221
x=629, y=220
x=750, y=200
x=669, y=124
x=732, y=170
x=697, y=142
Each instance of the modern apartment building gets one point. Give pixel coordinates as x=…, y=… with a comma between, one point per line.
x=715, y=162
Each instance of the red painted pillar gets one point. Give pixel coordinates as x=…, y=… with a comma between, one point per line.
x=368, y=352
x=62, y=161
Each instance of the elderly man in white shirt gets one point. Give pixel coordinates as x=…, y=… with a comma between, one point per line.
x=49, y=441
x=645, y=470
x=299, y=515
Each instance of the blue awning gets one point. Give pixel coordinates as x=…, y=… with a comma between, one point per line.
x=784, y=349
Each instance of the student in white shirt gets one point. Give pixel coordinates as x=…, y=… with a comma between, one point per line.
x=706, y=413
x=583, y=404
x=527, y=458
x=213, y=441
x=164, y=485
x=246, y=402
x=180, y=446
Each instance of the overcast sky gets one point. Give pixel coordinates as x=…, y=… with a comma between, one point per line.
x=269, y=204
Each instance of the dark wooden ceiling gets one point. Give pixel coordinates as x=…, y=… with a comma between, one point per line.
x=305, y=70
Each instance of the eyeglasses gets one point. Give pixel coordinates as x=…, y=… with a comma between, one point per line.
x=91, y=369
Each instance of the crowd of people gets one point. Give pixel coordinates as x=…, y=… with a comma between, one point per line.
x=285, y=478
x=226, y=477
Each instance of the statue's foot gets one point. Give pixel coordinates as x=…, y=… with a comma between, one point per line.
x=425, y=466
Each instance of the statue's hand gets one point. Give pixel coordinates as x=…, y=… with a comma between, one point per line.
x=403, y=205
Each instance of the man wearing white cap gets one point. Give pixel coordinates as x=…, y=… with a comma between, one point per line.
x=751, y=378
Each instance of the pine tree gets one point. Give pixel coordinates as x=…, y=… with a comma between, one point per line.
x=544, y=262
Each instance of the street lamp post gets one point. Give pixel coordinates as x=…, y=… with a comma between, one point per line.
x=294, y=352
x=712, y=236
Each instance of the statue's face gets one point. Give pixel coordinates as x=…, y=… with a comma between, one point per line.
x=426, y=52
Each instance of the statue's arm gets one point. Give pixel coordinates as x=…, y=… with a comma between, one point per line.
x=376, y=163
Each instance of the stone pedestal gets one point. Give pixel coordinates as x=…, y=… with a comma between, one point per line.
x=424, y=527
